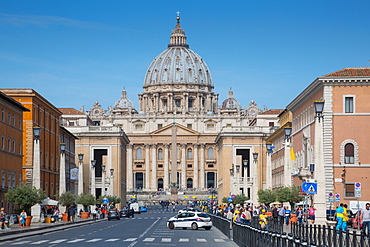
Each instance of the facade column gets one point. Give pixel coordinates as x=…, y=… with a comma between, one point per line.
x=268, y=172
x=202, y=161
x=154, y=168
x=130, y=184
x=196, y=176
x=254, y=173
x=183, y=166
x=287, y=167
x=186, y=103
x=147, y=168
x=36, y=177
x=166, y=170
x=170, y=102
x=320, y=197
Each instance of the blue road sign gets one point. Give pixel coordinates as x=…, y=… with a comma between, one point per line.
x=310, y=188
x=230, y=199
x=105, y=201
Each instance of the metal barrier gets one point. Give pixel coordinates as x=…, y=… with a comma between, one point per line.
x=221, y=223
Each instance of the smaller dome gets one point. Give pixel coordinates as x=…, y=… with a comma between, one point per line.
x=123, y=102
x=230, y=102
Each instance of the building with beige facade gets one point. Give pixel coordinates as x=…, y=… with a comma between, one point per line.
x=178, y=91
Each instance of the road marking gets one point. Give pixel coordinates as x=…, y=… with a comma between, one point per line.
x=148, y=240
x=112, y=240
x=166, y=240
x=93, y=240
x=40, y=242
x=183, y=240
x=58, y=241
x=219, y=240
x=21, y=242
x=202, y=240
x=129, y=239
x=145, y=232
x=76, y=240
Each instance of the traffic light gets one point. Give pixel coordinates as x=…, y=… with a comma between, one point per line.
x=344, y=175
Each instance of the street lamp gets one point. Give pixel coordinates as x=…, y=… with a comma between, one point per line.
x=268, y=147
x=80, y=178
x=319, y=108
x=62, y=169
x=288, y=132
x=103, y=180
x=36, y=180
x=255, y=156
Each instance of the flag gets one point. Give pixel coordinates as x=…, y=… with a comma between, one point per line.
x=292, y=155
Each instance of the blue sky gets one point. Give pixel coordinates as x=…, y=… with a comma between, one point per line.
x=77, y=52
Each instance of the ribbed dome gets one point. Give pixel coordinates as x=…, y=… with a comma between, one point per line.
x=230, y=102
x=178, y=64
x=123, y=102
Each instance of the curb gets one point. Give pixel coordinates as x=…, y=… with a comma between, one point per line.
x=6, y=236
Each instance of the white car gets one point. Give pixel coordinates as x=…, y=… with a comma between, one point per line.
x=188, y=210
x=194, y=220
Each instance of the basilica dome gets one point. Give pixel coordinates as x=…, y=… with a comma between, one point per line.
x=178, y=64
x=230, y=102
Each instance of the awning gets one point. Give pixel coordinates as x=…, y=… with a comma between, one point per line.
x=50, y=202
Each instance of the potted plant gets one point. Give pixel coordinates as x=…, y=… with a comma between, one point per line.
x=86, y=200
x=26, y=196
x=66, y=199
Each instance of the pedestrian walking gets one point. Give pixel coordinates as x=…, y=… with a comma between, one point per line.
x=287, y=215
x=299, y=215
x=22, y=218
x=263, y=220
x=71, y=214
x=311, y=214
x=365, y=219
x=281, y=213
x=132, y=212
x=3, y=223
x=339, y=213
x=345, y=218
x=94, y=213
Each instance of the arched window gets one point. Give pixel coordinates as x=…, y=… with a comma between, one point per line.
x=160, y=154
x=189, y=183
x=160, y=183
x=190, y=154
x=139, y=153
x=210, y=153
x=349, y=153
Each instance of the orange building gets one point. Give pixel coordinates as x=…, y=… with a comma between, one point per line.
x=45, y=115
x=11, y=130
x=344, y=158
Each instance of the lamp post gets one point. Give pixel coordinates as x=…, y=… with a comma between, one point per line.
x=254, y=171
x=36, y=171
x=320, y=197
x=232, y=180
x=80, y=178
x=62, y=173
x=103, y=180
x=268, y=165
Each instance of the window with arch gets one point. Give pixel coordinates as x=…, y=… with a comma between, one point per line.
x=160, y=154
x=211, y=153
x=139, y=153
x=190, y=154
x=349, y=153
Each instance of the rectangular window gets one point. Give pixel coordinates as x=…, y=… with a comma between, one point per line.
x=2, y=141
x=189, y=126
x=138, y=126
x=271, y=124
x=97, y=123
x=349, y=190
x=13, y=179
x=3, y=178
x=190, y=165
x=9, y=179
x=2, y=115
x=20, y=177
x=348, y=105
x=160, y=166
x=210, y=126
x=160, y=126
x=139, y=166
x=228, y=125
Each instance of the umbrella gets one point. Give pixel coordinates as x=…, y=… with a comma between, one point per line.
x=49, y=202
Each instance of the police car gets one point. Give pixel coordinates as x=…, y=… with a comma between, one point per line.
x=193, y=220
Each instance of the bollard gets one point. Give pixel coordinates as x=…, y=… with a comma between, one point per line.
x=284, y=238
x=313, y=244
x=304, y=242
x=290, y=240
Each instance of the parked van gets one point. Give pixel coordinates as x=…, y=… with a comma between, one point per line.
x=136, y=207
x=355, y=206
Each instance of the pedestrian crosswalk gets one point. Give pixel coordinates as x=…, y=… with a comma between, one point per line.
x=72, y=242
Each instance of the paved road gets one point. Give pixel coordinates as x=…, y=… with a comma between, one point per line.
x=146, y=229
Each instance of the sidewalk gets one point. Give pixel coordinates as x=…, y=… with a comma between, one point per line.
x=15, y=230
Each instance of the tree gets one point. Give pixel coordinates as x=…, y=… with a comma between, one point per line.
x=86, y=200
x=289, y=194
x=266, y=196
x=67, y=198
x=225, y=200
x=240, y=199
x=26, y=196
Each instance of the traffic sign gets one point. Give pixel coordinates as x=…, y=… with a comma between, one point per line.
x=331, y=194
x=230, y=199
x=105, y=201
x=309, y=188
x=337, y=196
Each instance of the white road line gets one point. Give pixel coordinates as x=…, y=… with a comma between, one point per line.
x=129, y=239
x=219, y=240
x=112, y=240
x=41, y=241
x=183, y=240
x=145, y=232
x=148, y=240
x=93, y=240
x=58, y=241
x=76, y=240
x=202, y=240
x=167, y=240
x=21, y=242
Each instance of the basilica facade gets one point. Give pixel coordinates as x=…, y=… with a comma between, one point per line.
x=178, y=92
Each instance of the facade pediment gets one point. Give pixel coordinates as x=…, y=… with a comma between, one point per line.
x=181, y=130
